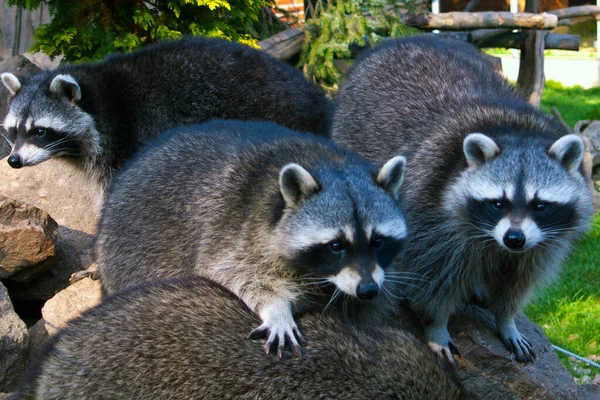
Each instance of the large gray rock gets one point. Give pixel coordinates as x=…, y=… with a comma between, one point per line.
x=14, y=344
x=27, y=238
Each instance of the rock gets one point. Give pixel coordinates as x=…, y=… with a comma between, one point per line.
x=38, y=339
x=70, y=303
x=74, y=252
x=14, y=344
x=64, y=192
x=20, y=66
x=27, y=239
x=488, y=372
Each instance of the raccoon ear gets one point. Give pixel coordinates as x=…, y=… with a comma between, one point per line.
x=11, y=82
x=296, y=184
x=569, y=151
x=391, y=175
x=479, y=149
x=66, y=87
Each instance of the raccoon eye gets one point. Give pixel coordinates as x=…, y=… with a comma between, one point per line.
x=39, y=132
x=336, y=246
x=498, y=204
x=540, y=206
x=377, y=243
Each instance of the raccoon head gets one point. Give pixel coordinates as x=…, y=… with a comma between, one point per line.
x=524, y=195
x=44, y=119
x=342, y=226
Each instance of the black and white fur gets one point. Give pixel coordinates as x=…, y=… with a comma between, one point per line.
x=495, y=196
x=286, y=221
x=186, y=339
x=98, y=115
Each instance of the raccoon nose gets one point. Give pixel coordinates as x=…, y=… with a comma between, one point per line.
x=15, y=161
x=367, y=291
x=514, y=239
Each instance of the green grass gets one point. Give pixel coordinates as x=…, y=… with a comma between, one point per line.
x=574, y=103
x=569, y=309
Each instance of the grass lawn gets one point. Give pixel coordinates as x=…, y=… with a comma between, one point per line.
x=569, y=309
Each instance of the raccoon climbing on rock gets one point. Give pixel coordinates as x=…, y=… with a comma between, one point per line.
x=99, y=114
x=286, y=221
x=495, y=196
x=186, y=339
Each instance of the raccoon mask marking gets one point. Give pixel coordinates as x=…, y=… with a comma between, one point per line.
x=45, y=125
x=527, y=212
x=353, y=248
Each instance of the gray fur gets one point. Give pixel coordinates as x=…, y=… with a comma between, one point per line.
x=102, y=113
x=221, y=200
x=425, y=97
x=186, y=338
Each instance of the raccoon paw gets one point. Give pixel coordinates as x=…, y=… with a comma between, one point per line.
x=514, y=341
x=281, y=329
x=521, y=348
x=91, y=273
x=446, y=352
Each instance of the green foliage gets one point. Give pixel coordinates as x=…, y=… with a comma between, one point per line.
x=342, y=26
x=86, y=30
x=574, y=103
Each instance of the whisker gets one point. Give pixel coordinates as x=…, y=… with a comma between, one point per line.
x=335, y=295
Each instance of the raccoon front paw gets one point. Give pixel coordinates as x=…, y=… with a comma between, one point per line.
x=91, y=273
x=514, y=341
x=446, y=352
x=281, y=328
x=441, y=343
x=520, y=347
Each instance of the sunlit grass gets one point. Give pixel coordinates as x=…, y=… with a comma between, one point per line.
x=574, y=103
x=569, y=309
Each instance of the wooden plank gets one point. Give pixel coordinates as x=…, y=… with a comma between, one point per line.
x=476, y=20
x=284, y=45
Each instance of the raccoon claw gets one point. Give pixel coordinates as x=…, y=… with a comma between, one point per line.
x=454, y=349
x=521, y=348
x=282, y=337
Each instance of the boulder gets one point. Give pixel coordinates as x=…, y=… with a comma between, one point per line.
x=27, y=239
x=70, y=303
x=20, y=66
x=14, y=344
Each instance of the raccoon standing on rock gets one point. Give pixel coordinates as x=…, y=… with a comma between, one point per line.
x=186, y=339
x=277, y=217
x=495, y=196
x=98, y=115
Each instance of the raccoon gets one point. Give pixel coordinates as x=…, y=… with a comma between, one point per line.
x=495, y=196
x=286, y=221
x=98, y=115
x=185, y=338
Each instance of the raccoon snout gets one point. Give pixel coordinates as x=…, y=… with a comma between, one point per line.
x=514, y=239
x=366, y=291
x=15, y=161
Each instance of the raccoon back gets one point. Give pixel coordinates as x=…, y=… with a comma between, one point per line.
x=187, y=338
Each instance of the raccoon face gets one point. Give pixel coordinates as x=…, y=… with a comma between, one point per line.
x=524, y=196
x=46, y=122
x=343, y=226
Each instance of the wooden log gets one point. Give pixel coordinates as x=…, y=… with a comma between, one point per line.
x=531, y=68
x=476, y=20
x=580, y=11
x=515, y=40
x=284, y=45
